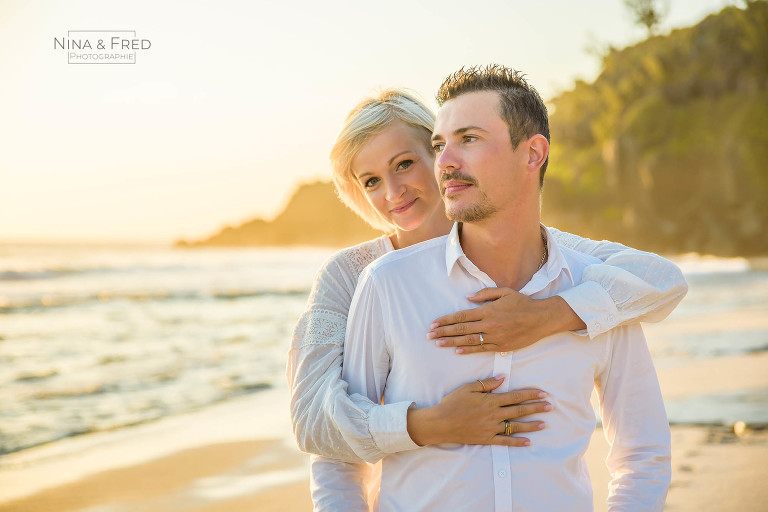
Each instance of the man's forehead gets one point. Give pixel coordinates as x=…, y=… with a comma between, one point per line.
x=471, y=108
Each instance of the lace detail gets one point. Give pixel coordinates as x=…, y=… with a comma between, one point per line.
x=359, y=256
x=565, y=239
x=319, y=327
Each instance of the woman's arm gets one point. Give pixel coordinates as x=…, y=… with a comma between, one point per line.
x=629, y=286
x=328, y=421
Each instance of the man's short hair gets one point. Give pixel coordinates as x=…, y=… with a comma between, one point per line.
x=521, y=107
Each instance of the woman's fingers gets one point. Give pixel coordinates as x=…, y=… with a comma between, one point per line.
x=502, y=440
x=519, y=396
x=517, y=427
x=486, y=385
x=456, y=324
x=487, y=294
x=521, y=410
x=474, y=349
x=461, y=341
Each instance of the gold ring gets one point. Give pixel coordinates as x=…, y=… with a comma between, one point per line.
x=507, y=428
x=482, y=384
x=481, y=339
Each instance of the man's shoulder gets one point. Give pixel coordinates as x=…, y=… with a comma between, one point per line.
x=394, y=262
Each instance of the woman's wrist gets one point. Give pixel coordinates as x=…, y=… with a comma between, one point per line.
x=559, y=316
x=423, y=426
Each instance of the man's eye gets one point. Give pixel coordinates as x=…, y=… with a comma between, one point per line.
x=370, y=182
x=470, y=138
x=438, y=147
x=404, y=165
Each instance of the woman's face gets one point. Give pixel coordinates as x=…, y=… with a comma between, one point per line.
x=395, y=170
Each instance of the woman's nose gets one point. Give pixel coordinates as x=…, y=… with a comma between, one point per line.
x=395, y=190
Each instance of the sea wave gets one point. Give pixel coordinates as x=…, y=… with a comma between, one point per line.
x=91, y=418
x=22, y=304
x=694, y=263
x=36, y=274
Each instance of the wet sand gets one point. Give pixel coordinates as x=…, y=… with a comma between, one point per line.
x=240, y=456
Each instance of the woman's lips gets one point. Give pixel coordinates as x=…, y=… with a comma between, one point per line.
x=404, y=208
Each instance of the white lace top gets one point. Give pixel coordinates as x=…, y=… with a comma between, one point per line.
x=630, y=286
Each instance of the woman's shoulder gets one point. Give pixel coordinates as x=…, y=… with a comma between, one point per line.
x=353, y=260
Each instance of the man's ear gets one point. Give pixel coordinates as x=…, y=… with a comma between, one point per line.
x=538, y=150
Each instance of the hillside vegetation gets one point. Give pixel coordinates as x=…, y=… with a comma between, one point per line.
x=666, y=150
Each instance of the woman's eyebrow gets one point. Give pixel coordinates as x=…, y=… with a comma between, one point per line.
x=397, y=155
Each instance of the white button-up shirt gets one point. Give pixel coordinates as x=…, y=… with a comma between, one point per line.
x=388, y=359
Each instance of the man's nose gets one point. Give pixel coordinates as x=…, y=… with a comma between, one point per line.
x=446, y=160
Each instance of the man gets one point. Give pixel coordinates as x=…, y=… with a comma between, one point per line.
x=491, y=143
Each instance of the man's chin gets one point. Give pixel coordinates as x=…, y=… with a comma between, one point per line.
x=468, y=213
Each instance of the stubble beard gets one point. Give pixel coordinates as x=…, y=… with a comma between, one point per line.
x=470, y=214
x=480, y=210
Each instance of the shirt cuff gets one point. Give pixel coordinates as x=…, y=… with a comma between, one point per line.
x=388, y=425
x=592, y=303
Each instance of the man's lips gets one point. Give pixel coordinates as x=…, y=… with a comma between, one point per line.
x=403, y=208
x=454, y=186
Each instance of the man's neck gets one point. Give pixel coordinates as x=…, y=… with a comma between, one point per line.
x=508, y=248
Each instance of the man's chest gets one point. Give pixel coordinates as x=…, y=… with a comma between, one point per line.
x=565, y=365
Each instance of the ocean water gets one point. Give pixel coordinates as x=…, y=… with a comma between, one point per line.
x=99, y=337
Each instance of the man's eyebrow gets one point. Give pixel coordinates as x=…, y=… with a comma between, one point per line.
x=460, y=131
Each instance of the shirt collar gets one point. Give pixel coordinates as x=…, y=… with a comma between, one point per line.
x=453, y=250
x=553, y=267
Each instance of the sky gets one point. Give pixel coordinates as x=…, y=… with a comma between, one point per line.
x=235, y=103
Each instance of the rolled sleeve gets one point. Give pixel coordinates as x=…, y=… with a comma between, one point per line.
x=594, y=305
x=629, y=286
x=389, y=427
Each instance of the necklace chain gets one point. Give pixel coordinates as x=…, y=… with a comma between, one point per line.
x=544, y=254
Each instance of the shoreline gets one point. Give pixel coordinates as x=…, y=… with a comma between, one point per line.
x=737, y=373
x=240, y=455
x=712, y=469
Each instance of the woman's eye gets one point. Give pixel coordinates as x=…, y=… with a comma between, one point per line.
x=404, y=165
x=370, y=182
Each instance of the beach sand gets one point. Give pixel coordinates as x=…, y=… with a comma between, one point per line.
x=240, y=455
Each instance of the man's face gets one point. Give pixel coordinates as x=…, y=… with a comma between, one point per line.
x=475, y=165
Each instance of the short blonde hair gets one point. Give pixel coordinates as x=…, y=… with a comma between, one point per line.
x=370, y=117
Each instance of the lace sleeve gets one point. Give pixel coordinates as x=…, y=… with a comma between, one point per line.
x=630, y=286
x=326, y=420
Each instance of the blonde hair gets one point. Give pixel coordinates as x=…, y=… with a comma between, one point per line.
x=370, y=117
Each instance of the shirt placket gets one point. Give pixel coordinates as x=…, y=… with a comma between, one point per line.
x=502, y=365
x=502, y=477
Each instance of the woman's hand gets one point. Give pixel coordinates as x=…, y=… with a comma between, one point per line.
x=511, y=321
x=473, y=415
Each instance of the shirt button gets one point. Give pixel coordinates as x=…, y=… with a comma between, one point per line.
x=503, y=354
x=597, y=326
x=502, y=473
x=610, y=319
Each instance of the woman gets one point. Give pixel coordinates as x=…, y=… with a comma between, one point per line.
x=382, y=163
